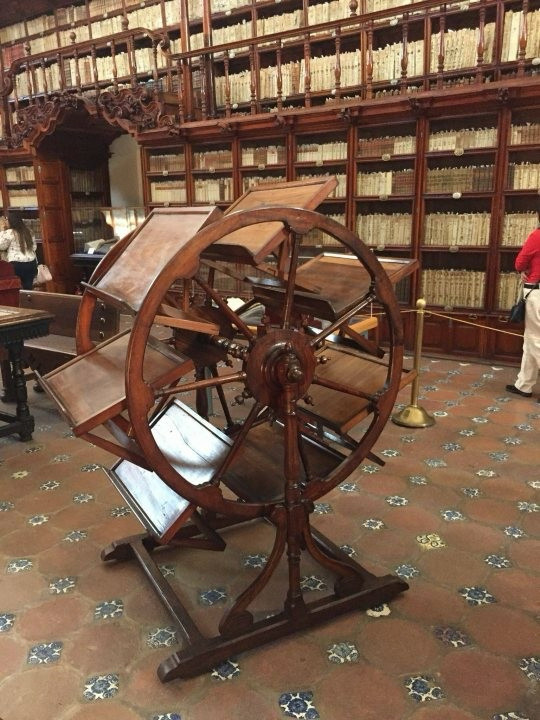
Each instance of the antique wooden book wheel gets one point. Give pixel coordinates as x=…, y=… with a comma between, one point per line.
x=306, y=374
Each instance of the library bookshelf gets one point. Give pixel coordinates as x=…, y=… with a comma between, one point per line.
x=426, y=114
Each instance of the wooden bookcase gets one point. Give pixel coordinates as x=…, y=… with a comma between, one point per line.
x=279, y=91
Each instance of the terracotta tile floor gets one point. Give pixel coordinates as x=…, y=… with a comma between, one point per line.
x=455, y=511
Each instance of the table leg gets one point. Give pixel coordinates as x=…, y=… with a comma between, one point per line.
x=8, y=395
x=23, y=411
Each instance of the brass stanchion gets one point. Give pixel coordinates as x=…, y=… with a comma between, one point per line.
x=414, y=416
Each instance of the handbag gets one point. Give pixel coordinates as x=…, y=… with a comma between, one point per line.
x=43, y=275
x=517, y=311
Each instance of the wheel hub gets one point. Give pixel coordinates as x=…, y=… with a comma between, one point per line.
x=279, y=359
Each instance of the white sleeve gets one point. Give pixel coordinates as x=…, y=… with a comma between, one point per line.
x=6, y=236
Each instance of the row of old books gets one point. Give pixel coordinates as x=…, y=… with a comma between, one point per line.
x=523, y=176
x=41, y=24
x=384, y=184
x=213, y=190
x=279, y=23
x=376, y=5
x=474, y=178
x=292, y=79
x=327, y=11
x=34, y=225
x=83, y=208
x=462, y=139
x=167, y=162
x=21, y=197
x=377, y=229
x=461, y=48
x=106, y=67
x=509, y=290
x=42, y=30
x=249, y=181
x=387, y=61
x=195, y=9
x=168, y=191
x=264, y=155
x=71, y=14
x=317, y=237
x=87, y=181
x=457, y=229
x=99, y=7
x=512, y=32
x=212, y=160
x=453, y=288
x=340, y=191
x=525, y=134
x=20, y=174
x=321, y=152
x=379, y=146
x=517, y=226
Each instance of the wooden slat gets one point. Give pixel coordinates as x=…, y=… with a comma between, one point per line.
x=185, y=320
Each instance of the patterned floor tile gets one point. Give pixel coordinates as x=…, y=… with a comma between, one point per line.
x=460, y=629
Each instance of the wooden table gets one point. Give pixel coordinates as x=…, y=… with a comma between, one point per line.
x=16, y=326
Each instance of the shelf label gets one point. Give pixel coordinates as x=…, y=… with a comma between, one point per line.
x=394, y=21
x=228, y=11
x=164, y=172
x=319, y=163
x=381, y=246
x=212, y=170
x=458, y=152
x=456, y=195
x=449, y=308
x=453, y=248
x=166, y=204
x=385, y=156
x=383, y=197
x=235, y=106
x=261, y=166
x=535, y=61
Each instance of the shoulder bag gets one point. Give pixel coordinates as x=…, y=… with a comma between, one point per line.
x=517, y=311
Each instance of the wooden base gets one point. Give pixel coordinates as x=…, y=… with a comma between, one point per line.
x=202, y=654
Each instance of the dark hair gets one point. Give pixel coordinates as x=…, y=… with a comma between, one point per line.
x=24, y=235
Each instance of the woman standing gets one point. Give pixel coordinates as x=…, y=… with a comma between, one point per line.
x=19, y=248
x=528, y=264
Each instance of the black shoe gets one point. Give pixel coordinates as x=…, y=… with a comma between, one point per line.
x=513, y=389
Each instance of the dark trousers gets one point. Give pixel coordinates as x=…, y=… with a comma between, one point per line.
x=26, y=272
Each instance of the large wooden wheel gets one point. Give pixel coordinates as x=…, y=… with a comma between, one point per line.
x=279, y=362
x=303, y=376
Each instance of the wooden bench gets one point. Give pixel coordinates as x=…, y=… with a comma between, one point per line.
x=47, y=353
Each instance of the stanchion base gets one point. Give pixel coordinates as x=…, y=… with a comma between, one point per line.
x=414, y=417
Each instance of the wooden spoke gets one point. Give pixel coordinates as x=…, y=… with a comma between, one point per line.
x=222, y=398
x=347, y=389
x=232, y=316
x=237, y=443
x=291, y=279
x=200, y=384
x=337, y=324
